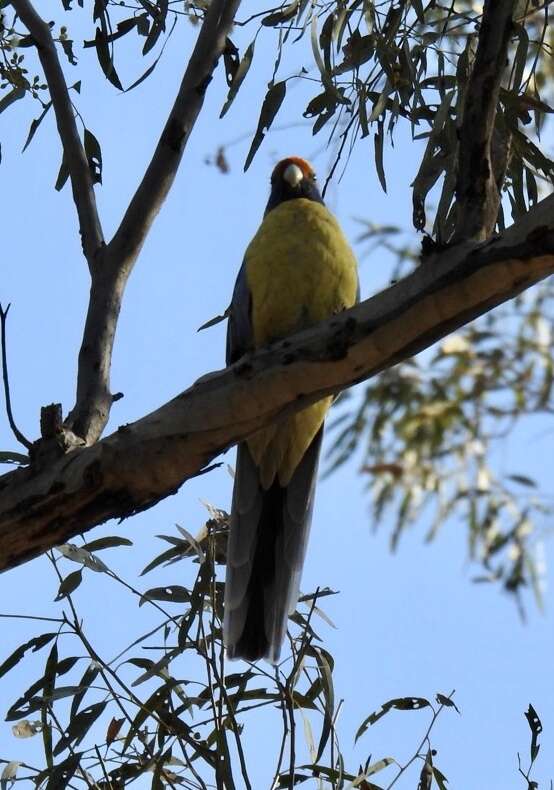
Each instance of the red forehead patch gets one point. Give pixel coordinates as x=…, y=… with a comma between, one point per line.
x=280, y=168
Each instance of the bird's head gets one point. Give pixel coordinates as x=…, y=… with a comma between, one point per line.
x=292, y=178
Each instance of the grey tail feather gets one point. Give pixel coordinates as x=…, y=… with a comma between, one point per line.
x=267, y=542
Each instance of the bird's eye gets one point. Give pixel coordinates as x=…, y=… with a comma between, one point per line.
x=314, y=177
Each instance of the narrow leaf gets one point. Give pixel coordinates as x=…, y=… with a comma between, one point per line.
x=78, y=727
x=403, y=703
x=63, y=175
x=238, y=79
x=35, y=124
x=69, y=584
x=378, y=140
x=106, y=543
x=13, y=95
x=105, y=58
x=33, y=644
x=272, y=102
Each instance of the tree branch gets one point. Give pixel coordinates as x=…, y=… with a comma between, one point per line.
x=477, y=193
x=90, y=414
x=145, y=461
x=161, y=171
x=75, y=157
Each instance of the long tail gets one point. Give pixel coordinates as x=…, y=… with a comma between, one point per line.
x=267, y=542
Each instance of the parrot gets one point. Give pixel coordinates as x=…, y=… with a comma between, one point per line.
x=298, y=270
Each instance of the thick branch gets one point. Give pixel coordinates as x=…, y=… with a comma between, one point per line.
x=74, y=153
x=162, y=169
x=477, y=193
x=92, y=408
x=94, y=399
x=148, y=460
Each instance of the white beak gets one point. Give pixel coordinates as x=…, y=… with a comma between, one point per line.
x=293, y=175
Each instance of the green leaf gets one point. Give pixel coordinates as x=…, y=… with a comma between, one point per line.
x=286, y=780
x=535, y=726
x=89, y=676
x=69, y=584
x=200, y=590
x=152, y=705
x=78, y=727
x=381, y=103
x=34, y=644
x=63, y=175
x=362, y=112
x=402, y=703
x=325, y=667
x=13, y=95
x=59, y=777
x=123, y=28
x=143, y=77
x=173, y=593
x=272, y=102
x=166, y=556
x=520, y=59
x=432, y=164
x=379, y=765
x=94, y=156
x=105, y=58
x=238, y=79
x=106, y=543
x=323, y=70
x=378, y=140
x=50, y=671
x=35, y=124
x=157, y=27
x=440, y=778
x=447, y=702
x=231, y=61
x=67, y=46
x=329, y=773
x=283, y=15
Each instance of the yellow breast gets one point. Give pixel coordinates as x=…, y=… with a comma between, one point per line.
x=300, y=270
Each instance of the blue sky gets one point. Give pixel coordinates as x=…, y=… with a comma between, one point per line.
x=412, y=624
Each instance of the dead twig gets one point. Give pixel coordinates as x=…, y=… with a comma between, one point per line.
x=16, y=432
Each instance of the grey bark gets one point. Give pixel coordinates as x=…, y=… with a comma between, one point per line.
x=477, y=191
x=111, y=264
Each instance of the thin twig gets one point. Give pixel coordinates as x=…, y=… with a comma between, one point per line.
x=17, y=433
x=70, y=748
x=161, y=171
x=33, y=617
x=219, y=673
x=102, y=765
x=105, y=670
x=282, y=692
x=424, y=740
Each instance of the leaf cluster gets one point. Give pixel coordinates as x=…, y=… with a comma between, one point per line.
x=167, y=705
x=431, y=432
